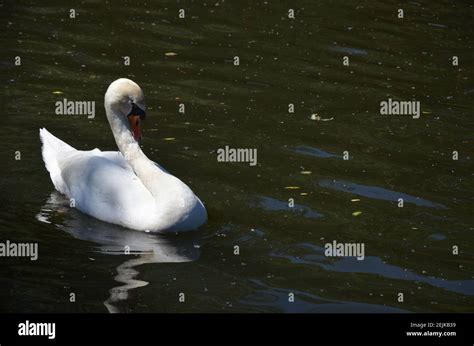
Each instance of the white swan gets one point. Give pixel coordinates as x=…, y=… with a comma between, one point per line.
x=124, y=188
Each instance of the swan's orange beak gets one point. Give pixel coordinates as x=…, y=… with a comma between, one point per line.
x=134, y=121
x=134, y=118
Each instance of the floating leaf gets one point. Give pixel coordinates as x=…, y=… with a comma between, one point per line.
x=355, y=200
x=292, y=187
x=169, y=139
x=306, y=172
x=356, y=213
x=303, y=193
x=171, y=54
x=57, y=92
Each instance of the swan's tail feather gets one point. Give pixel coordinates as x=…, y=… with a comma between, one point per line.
x=52, y=148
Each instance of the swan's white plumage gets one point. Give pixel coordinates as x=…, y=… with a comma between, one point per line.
x=135, y=193
x=54, y=148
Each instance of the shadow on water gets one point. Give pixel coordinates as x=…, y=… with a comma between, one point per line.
x=377, y=193
x=271, y=204
x=372, y=265
x=273, y=297
x=115, y=240
x=306, y=150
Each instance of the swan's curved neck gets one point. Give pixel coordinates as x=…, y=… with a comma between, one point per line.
x=144, y=168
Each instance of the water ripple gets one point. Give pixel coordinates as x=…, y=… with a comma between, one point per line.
x=372, y=265
x=377, y=193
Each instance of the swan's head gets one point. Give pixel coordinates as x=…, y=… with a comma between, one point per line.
x=126, y=98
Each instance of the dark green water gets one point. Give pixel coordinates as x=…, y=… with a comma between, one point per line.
x=282, y=61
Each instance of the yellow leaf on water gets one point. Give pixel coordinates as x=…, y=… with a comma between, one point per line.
x=171, y=54
x=356, y=213
x=168, y=139
x=292, y=187
x=306, y=172
x=57, y=92
x=355, y=200
x=303, y=193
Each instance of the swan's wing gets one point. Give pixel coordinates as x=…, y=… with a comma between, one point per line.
x=57, y=154
x=116, y=157
x=104, y=185
x=161, y=167
x=53, y=149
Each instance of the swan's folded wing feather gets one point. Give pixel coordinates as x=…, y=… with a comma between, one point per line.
x=117, y=158
x=103, y=185
x=52, y=151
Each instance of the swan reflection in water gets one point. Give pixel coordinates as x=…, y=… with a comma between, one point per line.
x=115, y=240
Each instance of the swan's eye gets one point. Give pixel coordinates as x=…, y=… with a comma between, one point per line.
x=136, y=111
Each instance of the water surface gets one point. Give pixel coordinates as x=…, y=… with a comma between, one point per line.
x=300, y=154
